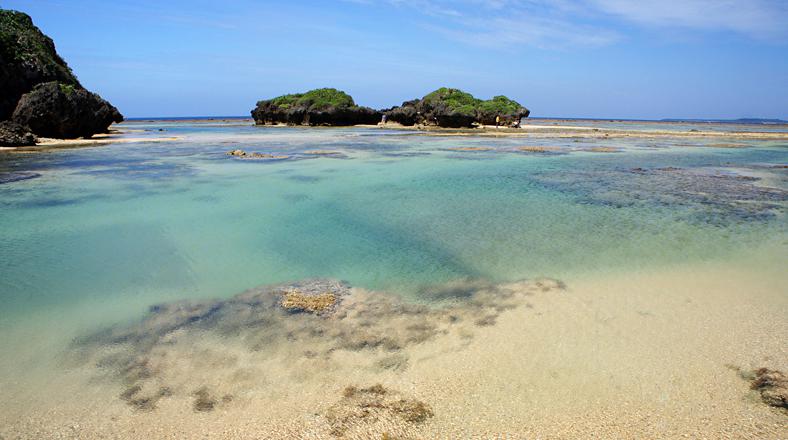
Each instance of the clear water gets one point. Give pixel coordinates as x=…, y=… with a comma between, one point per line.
x=106, y=231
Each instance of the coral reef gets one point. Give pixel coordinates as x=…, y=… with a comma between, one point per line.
x=182, y=346
x=712, y=195
x=297, y=301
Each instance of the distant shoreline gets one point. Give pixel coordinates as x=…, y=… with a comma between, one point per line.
x=538, y=128
x=739, y=121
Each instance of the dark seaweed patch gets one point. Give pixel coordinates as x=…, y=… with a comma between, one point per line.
x=710, y=196
x=9, y=177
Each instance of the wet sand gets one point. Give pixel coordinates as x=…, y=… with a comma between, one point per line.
x=619, y=355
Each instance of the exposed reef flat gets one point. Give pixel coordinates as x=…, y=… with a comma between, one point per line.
x=564, y=132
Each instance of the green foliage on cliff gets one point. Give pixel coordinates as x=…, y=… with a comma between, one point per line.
x=461, y=102
x=21, y=42
x=500, y=105
x=318, y=99
x=68, y=89
x=454, y=99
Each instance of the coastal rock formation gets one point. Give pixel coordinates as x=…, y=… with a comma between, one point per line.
x=57, y=110
x=15, y=135
x=457, y=109
x=316, y=107
x=27, y=59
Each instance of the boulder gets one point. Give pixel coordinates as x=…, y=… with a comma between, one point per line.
x=60, y=110
x=15, y=135
x=329, y=107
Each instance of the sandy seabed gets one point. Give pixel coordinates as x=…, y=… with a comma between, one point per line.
x=652, y=354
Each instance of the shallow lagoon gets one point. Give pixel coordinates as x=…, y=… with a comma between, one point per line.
x=105, y=232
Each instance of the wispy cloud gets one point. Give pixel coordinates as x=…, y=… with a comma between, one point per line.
x=509, y=23
x=752, y=18
x=589, y=23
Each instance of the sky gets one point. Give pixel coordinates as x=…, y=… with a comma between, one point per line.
x=561, y=58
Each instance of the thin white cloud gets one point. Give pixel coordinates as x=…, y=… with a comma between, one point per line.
x=507, y=24
x=550, y=24
x=753, y=18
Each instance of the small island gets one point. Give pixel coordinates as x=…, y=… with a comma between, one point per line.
x=326, y=106
x=454, y=108
x=445, y=107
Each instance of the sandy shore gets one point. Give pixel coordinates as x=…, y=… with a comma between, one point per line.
x=115, y=136
x=636, y=355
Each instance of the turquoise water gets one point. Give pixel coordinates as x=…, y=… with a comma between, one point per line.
x=106, y=231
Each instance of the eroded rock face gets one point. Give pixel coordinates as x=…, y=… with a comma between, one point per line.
x=62, y=111
x=15, y=135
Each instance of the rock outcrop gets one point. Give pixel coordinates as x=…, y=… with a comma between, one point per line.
x=315, y=107
x=57, y=110
x=15, y=135
x=28, y=59
x=457, y=109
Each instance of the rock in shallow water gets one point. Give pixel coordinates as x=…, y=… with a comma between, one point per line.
x=773, y=387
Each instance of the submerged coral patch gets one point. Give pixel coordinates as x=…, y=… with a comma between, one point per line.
x=714, y=195
x=772, y=386
x=375, y=408
x=179, y=347
x=297, y=301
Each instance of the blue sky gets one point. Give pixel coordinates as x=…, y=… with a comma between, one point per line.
x=571, y=58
